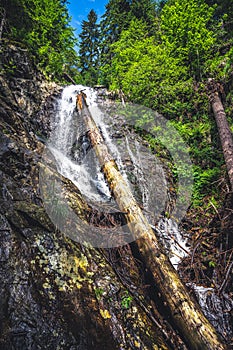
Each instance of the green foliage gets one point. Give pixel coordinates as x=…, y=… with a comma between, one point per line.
x=45, y=31
x=224, y=12
x=9, y=68
x=126, y=300
x=167, y=71
x=204, y=183
x=146, y=71
x=144, y=10
x=117, y=18
x=186, y=32
x=212, y=263
x=98, y=293
x=159, y=71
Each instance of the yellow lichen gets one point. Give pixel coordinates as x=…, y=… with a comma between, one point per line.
x=69, y=270
x=81, y=262
x=46, y=285
x=105, y=314
x=51, y=296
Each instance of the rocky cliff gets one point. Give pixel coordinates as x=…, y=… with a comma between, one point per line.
x=57, y=294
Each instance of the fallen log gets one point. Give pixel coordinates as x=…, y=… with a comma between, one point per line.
x=185, y=313
x=156, y=335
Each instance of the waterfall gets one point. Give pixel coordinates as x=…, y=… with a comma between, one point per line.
x=69, y=145
x=145, y=176
x=63, y=131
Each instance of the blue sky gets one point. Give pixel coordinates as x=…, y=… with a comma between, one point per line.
x=79, y=9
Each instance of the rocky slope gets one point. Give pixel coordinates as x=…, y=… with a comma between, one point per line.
x=56, y=294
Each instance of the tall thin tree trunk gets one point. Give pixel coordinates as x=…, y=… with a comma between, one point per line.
x=3, y=19
x=223, y=128
x=226, y=139
x=195, y=329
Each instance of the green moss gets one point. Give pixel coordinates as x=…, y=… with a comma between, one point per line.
x=98, y=293
x=126, y=300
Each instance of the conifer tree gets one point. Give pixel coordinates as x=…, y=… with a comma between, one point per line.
x=89, y=49
x=144, y=10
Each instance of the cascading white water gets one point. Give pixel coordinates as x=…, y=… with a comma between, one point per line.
x=173, y=240
x=216, y=307
x=63, y=132
x=135, y=158
x=114, y=151
x=67, y=132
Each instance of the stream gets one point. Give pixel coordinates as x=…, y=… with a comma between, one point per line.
x=144, y=173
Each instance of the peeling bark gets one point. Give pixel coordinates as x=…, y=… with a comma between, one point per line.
x=195, y=329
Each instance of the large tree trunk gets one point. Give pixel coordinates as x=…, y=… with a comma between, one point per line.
x=223, y=128
x=159, y=335
x=186, y=315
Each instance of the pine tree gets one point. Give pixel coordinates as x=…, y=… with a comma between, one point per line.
x=224, y=10
x=89, y=49
x=115, y=19
x=144, y=10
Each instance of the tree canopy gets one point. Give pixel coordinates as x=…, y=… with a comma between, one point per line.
x=117, y=18
x=161, y=54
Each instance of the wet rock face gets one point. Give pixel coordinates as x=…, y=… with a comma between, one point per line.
x=27, y=320
x=53, y=292
x=16, y=62
x=27, y=102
